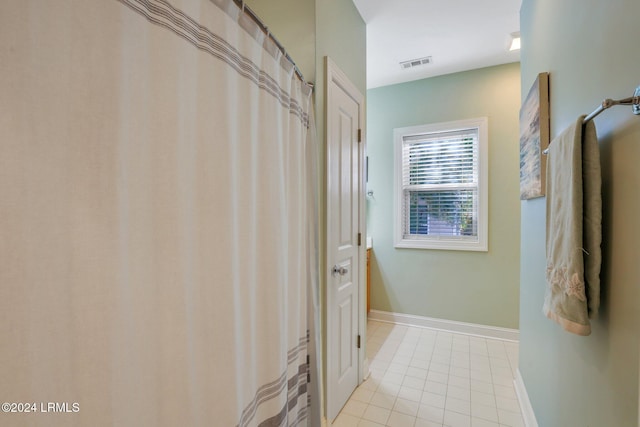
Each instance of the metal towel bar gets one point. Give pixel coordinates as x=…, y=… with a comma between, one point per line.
x=608, y=103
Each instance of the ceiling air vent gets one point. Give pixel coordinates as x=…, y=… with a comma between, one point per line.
x=416, y=62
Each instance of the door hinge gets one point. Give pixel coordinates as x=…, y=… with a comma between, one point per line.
x=358, y=343
x=359, y=135
x=308, y=369
x=359, y=239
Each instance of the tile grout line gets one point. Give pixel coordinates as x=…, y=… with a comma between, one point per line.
x=409, y=343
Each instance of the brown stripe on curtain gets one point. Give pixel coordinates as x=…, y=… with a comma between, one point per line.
x=296, y=386
x=299, y=389
x=162, y=13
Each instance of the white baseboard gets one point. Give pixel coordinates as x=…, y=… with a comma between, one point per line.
x=494, y=332
x=525, y=404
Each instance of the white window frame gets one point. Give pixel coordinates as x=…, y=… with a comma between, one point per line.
x=440, y=242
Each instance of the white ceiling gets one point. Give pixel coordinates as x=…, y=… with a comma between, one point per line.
x=459, y=35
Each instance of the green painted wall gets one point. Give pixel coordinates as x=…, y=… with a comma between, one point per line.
x=312, y=29
x=476, y=287
x=591, y=50
x=341, y=34
x=293, y=23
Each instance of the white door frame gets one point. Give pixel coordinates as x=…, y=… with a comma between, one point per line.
x=335, y=76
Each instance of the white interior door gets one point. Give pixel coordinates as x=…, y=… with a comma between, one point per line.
x=344, y=250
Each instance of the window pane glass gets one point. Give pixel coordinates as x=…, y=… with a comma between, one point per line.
x=441, y=213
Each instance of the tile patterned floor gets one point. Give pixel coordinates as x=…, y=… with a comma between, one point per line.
x=428, y=378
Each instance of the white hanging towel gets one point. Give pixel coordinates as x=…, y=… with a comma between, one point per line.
x=574, y=228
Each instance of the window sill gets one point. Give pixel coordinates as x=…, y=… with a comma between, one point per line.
x=442, y=244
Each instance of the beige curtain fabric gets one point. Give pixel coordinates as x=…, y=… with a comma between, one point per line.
x=155, y=249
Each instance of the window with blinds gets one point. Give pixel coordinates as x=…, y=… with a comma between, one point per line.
x=439, y=186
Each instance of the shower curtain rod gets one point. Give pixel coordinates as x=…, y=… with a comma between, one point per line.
x=245, y=9
x=608, y=103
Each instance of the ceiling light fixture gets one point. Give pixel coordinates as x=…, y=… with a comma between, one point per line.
x=515, y=41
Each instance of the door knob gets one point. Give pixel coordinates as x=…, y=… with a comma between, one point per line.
x=338, y=269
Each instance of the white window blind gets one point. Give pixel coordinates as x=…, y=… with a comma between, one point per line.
x=439, y=185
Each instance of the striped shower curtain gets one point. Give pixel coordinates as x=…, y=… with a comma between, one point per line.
x=156, y=208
